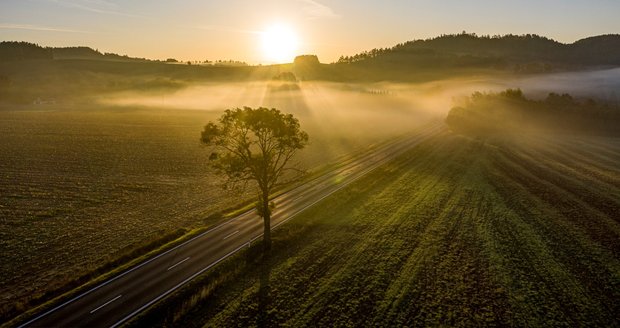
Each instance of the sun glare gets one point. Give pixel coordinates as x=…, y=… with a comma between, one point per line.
x=279, y=43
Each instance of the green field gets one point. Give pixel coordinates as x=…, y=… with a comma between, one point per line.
x=456, y=232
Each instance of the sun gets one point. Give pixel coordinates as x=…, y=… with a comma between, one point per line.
x=280, y=43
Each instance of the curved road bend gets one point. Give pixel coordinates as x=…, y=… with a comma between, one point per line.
x=118, y=299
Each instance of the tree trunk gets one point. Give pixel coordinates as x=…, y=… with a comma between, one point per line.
x=267, y=224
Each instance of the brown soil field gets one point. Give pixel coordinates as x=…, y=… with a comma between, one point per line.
x=80, y=188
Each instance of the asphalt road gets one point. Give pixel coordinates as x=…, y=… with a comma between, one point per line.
x=118, y=299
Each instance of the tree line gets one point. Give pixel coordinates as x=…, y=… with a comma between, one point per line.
x=14, y=50
x=510, y=48
x=509, y=111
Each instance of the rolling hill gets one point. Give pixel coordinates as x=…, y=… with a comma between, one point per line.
x=496, y=51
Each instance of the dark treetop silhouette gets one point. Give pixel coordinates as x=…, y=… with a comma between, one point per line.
x=255, y=145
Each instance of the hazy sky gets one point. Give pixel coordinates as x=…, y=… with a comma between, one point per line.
x=230, y=29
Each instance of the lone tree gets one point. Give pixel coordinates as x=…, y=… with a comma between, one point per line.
x=254, y=145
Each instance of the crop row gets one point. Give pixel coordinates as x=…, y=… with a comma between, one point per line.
x=457, y=232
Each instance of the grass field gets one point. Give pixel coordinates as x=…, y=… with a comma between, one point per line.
x=456, y=232
x=82, y=187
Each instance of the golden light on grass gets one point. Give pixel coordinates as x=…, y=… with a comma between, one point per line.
x=279, y=43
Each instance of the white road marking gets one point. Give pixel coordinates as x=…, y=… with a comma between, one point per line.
x=172, y=267
x=106, y=303
x=175, y=287
x=132, y=269
x=230, y=235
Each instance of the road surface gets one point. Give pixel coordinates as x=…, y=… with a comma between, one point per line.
x=118, y=299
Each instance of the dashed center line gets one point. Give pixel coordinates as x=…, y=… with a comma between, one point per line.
x=106, y=303
x=231, y=234
x=185, y=259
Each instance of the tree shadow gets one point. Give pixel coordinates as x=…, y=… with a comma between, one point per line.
x=264, y=293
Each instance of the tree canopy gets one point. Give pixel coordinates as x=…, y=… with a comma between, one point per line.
x=254, y=145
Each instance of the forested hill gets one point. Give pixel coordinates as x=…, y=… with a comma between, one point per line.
x=508, y=51
x=12, y=50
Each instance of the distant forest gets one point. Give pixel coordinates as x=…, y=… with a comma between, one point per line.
x=507, y=112
x=12, y=50
x=15, y=51
x=521, y=53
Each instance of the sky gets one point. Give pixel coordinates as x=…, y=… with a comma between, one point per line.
x=235, y=29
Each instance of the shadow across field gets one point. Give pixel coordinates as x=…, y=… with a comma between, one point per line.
x=456, y=232
x=264, y=294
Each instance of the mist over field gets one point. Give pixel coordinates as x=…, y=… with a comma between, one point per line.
x=602, y=84
x=336, y=115
x=391, y=106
